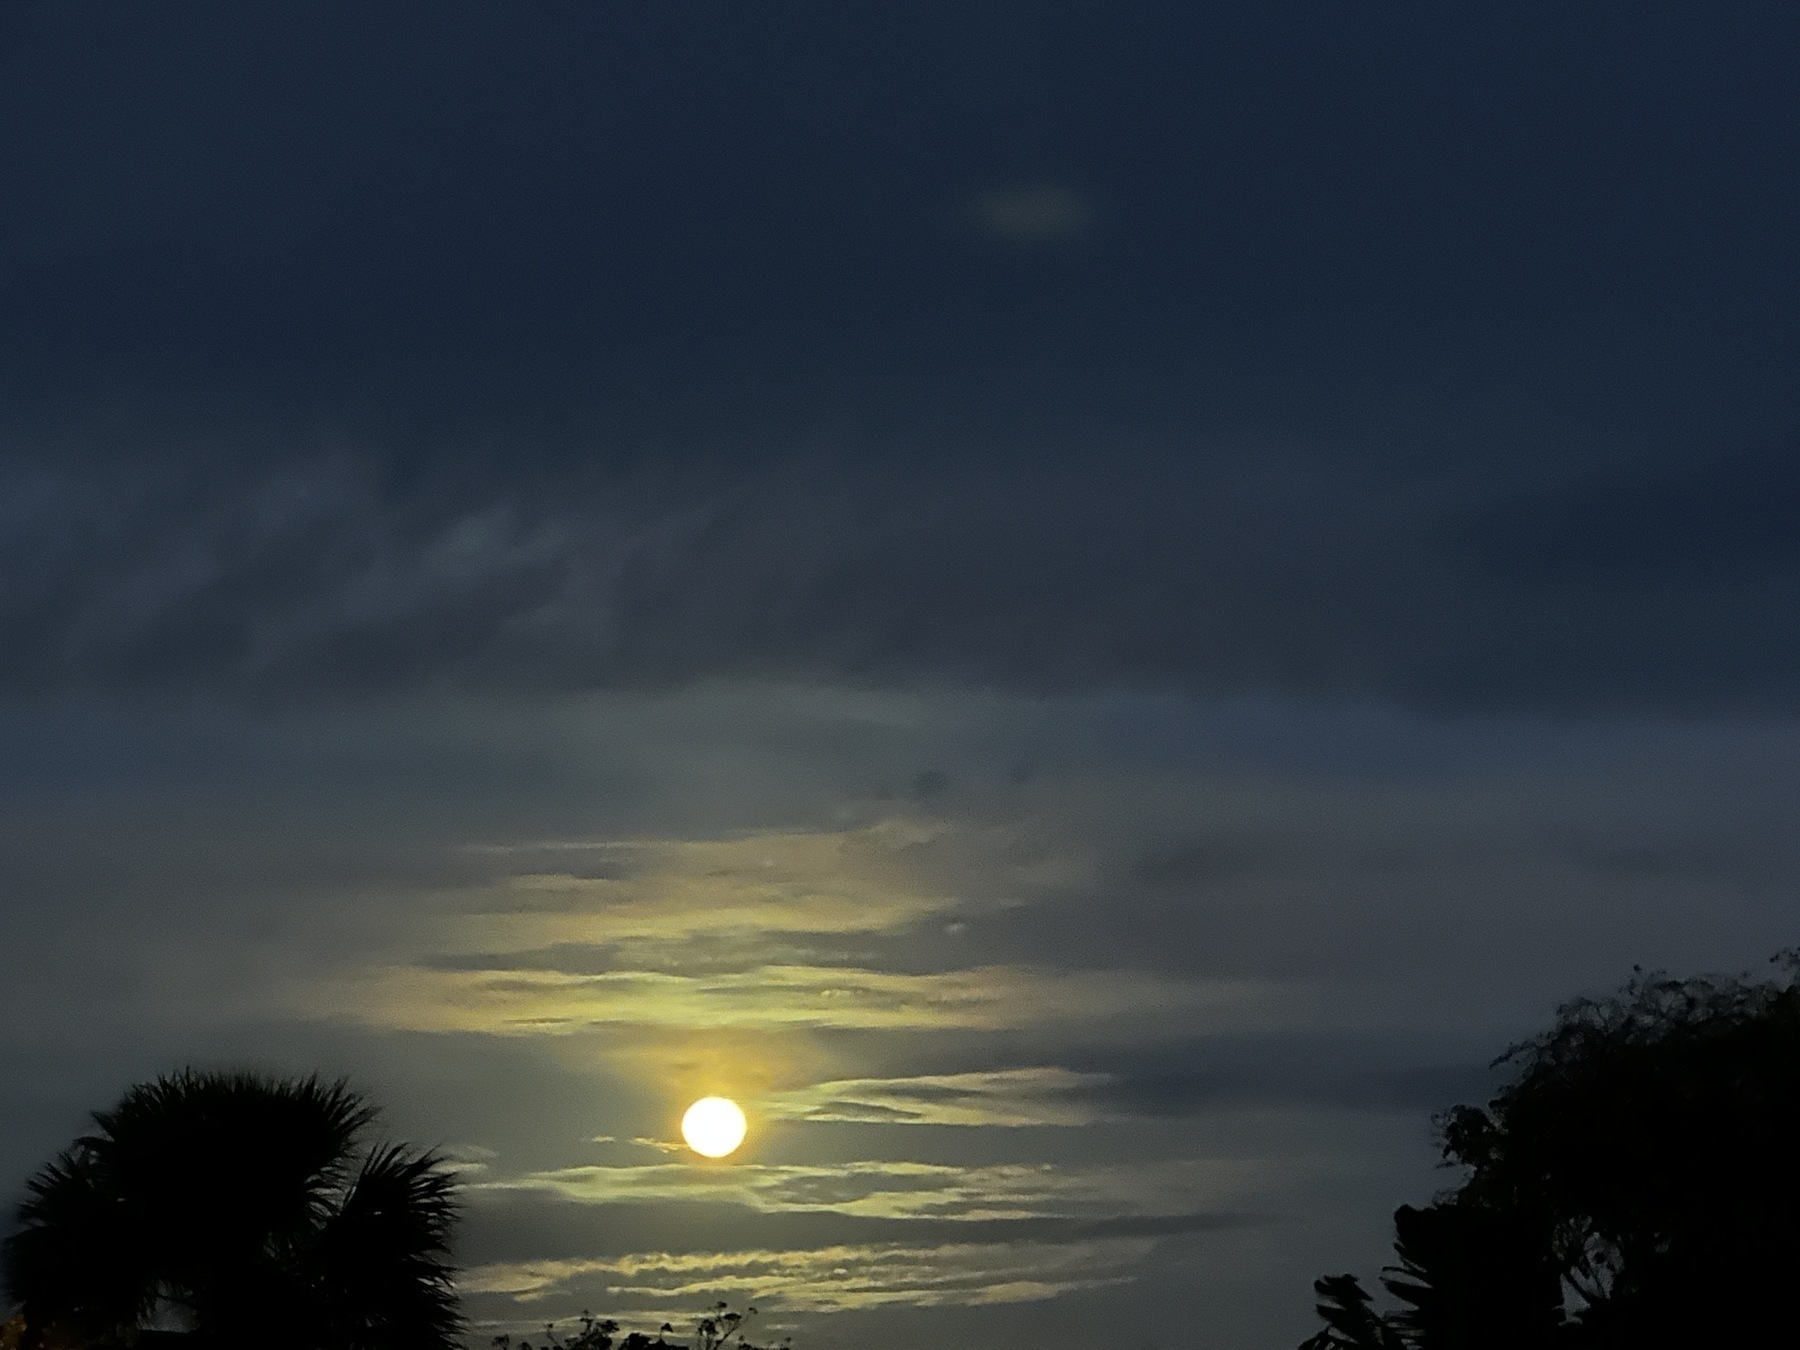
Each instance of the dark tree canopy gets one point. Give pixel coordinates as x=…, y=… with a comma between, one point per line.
x=1636, y=1183
x=234, y=1207
x=719, y=1328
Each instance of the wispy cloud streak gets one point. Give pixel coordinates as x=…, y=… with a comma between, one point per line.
x=1006, y=1097
x=668, y=1285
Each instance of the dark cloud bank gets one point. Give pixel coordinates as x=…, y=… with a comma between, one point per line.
x=1611, y=592
x=1398, y=355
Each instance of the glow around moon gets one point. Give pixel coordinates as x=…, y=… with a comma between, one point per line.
x=713, y=1126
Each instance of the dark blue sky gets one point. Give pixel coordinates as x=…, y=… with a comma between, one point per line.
x=569, y=209
x=1088, y=605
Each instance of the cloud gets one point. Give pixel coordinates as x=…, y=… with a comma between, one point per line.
x=286, y=428
x=826, y=1279
x=1034, y=213
x=1004, y=1097
x=503, y=1227
x=315, y=577
x=763, y=932
x=933, y=1234
x=753, y=888
x=535, y=1002
x=1348, y=911
x=899, y=1189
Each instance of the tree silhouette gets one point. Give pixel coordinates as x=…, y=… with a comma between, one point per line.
x=1636, y=1183
x=228, y=1207
x=1474, y=1278
x=719, y=1328
x=1350, y=1323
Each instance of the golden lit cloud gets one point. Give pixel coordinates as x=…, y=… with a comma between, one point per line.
x=717, y=967
x=667, y=1286
x=900, y=1189
x=1015, y=1097
x=747, y=936
x=822, y=882
x=547, y=1002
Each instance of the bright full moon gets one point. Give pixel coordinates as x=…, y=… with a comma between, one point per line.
x=713, y=1126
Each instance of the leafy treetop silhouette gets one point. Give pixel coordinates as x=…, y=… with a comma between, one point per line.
x=1636, y=1183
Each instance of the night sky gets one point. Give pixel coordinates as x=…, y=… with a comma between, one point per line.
x=1087, y=607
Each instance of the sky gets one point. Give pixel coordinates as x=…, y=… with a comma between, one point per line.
x=1087, y=607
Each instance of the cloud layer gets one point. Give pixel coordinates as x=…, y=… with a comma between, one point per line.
x=1217, y=575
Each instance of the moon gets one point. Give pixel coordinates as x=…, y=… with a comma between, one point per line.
x=713, y=1126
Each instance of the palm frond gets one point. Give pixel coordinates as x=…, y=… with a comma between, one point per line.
x=229, y=1195
x=1350, y=1323
x=384, y=1255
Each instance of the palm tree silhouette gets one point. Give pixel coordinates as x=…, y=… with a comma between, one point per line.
x=223, y=1208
